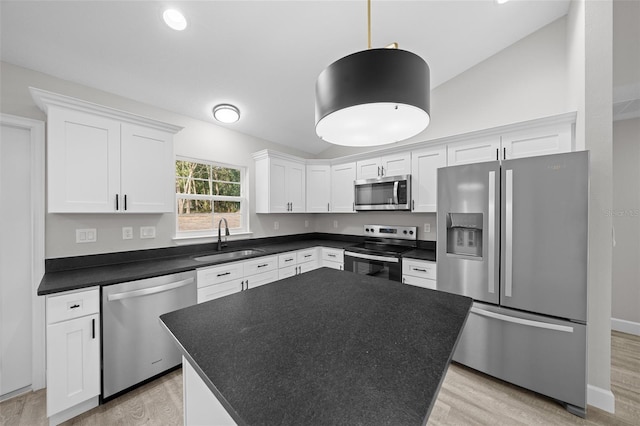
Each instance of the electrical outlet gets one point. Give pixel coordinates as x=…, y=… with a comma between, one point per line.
x=86, y=235
x=306, y=223
x=335, y=224
x=127, y=233
x=276, y=225
x=147, y=232
x=427, y=228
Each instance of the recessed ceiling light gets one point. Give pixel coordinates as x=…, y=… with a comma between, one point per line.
x=174, y=19
x=226, y=113
x=501, y=1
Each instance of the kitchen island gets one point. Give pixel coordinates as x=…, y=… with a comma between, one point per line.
x=325, y=347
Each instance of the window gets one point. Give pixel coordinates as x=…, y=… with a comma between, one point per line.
x=206, y=193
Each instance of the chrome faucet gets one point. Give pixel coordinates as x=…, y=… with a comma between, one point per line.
x=226, y=234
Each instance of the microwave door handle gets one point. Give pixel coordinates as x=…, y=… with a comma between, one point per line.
x=395, y=192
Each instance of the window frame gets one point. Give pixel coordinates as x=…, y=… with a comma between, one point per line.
x=243, y=199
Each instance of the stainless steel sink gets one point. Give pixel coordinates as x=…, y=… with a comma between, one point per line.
x=237, y=254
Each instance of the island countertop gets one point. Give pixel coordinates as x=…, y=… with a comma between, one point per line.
x=324, y=347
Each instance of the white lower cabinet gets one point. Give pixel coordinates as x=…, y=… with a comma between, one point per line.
x=297, y=262
x=260, y=271
x=219, y=281
x=73, y=353
x=332, y=258
x=420, y=273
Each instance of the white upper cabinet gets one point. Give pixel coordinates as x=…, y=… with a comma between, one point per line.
x=424, y=174
x=342, y=192
x=544, y=140
x=318, y=188
x=525, y=141
x=389, y=165
x=101, y=160
x=280, y=183
x=473, y=151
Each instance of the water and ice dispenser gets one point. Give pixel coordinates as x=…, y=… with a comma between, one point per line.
x=464, y=234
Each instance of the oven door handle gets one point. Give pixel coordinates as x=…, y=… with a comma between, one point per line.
x=372, y=257
x=150, y=290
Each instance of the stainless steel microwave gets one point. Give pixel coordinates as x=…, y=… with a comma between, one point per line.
x=384, y=193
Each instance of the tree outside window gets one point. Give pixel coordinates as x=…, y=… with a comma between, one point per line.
x=207, y=192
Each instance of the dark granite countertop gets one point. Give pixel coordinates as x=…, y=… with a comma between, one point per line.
x=323, y=348
x=114, y=268
x=421, y=254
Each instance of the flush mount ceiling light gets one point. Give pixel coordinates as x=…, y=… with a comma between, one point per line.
x=373, y=97
x=226, y=113
x=174, y=19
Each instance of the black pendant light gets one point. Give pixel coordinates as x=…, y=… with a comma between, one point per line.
x=373, y=97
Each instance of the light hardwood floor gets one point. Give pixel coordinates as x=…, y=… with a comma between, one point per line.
x=466, y=398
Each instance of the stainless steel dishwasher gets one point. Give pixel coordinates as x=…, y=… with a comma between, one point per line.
x=134, y=346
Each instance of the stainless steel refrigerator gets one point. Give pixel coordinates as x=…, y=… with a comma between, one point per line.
x=513, y=236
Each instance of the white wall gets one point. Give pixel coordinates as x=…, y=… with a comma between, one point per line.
x=198, y=139
x=625, y=308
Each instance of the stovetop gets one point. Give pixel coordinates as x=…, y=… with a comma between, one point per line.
x=387, y=240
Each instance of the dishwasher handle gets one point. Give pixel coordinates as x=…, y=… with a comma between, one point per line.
x=149, y=291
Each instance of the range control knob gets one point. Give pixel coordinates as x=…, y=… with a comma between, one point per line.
x=366, y=229
x=410, y=232
x=404, y=232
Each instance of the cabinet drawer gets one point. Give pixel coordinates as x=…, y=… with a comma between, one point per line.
x=260, y=265
x=215, y=291
x=220, y=274
x=287, y=272
x=308, y=255
x=419, y=268
x=73, y=305
x=287, y=259
x=419, y=282
x=332, y=255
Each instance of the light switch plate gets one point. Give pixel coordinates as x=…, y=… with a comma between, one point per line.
x=335, y=223
x=147, y=232
x=427, y=228
x=276, y=225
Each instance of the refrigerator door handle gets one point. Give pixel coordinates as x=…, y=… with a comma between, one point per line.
x=491, y=219
x=508, y=223
x=522, y=321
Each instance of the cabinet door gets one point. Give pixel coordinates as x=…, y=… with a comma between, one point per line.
x=296, y=177
x=342, y=191
x=260, y=279
x=318, y=188
x=396, y=164
x=216, y=291
x=83, y=162
x=424, y=177
x=419, y=282
x=475, y=151
x=545, y=140
x=278, y=196
x=147, y=170
x=369, y=168
x=73, y=362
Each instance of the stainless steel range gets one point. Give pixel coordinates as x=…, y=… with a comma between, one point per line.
x=381, y=253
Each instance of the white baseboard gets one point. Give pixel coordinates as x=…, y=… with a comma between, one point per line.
x=625, y=326
x=601, y=398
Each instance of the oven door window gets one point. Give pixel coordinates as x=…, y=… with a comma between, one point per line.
x=388, y=270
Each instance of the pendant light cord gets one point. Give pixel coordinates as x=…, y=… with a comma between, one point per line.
x=368, y=24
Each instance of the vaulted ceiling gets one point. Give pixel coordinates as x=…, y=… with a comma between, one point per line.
x=262, y=56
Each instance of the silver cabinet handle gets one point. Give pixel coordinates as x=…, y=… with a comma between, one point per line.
x=263, y=265
x=491, y=231
x=117, y=202
x=331, y=255
x=382, y=174
x=419, y=270
x=246, y=284
x=125, y=202
x=223, y=274
x=522, y=321
x=93, y=328
x=149, y=291
x=379, y=171
x=328, y=207
x=508, y=234
x=372, y=257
